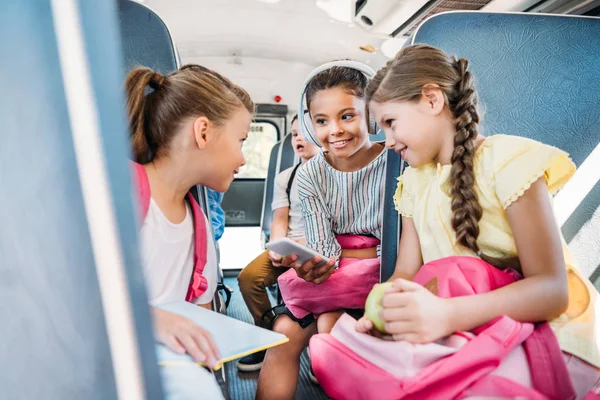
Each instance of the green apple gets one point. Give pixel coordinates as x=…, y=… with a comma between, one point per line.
x=373, y=305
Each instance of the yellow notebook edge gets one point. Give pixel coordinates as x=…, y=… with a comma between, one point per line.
x=225, y=360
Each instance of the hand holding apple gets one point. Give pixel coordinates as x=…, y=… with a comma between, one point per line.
x=373, y=305
x=407, y=311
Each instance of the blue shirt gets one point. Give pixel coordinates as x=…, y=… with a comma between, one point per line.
x=217, y=215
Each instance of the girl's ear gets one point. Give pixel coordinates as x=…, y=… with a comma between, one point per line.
x=433, y=99
x=201, y=132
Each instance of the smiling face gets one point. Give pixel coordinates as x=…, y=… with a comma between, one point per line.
x=340, y=122
x=420, y=131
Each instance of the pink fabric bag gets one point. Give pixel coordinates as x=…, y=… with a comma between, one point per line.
x=503, y=358
x=198, y=282
x=346, y=288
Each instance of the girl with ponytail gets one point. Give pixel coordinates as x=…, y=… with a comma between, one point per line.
x=186, y=129
x=485, y=197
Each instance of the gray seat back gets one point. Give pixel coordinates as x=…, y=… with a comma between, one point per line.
x=146, y=39
x=267, y=212
x=392, y=223
x=287, y=157
x=54, y=334
x=541, y=82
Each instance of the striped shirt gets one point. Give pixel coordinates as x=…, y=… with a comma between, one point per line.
x=336, y=203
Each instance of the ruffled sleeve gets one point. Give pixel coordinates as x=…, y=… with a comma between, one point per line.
x=516, y=163
x=402, y=199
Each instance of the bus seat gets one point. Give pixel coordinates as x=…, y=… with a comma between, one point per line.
x=282, y=157
x=392, y=223
x=53, y=252
x=146, y=39
x=541, y=82
x=287, y=156
x=267, y=212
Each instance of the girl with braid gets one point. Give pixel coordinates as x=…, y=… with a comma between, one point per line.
x=469, y=195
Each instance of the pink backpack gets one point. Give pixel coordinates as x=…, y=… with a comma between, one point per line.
x=348, y=287
x=502, y=358
x=198, y=283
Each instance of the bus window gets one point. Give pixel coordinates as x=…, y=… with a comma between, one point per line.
x=262, y=138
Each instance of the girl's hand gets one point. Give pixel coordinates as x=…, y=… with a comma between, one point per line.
x=311, y=273
x=275, y=258
x=364, y=325
x=414, y=314
x=183, y=336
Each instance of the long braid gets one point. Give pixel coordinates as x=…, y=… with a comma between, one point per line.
x=465, y=205
x=466, y=209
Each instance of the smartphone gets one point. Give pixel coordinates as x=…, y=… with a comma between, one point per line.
x=286, y=247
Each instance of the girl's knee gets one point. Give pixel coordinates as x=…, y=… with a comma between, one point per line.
x=245, y=279
x=326, y=321
x=297, y=335
x=288, y=327
x=250, y=280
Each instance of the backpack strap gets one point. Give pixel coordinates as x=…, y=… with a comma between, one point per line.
x=288, y=190
x=143, y=190
x=549, y=371
x=198, y=282
x=480, y=356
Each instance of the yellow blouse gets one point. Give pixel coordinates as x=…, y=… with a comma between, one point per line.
x=505, y=167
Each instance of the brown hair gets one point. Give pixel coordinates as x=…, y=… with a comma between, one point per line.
x=295, y=117
x=157, y=105
x=403, y=79
x=352, y=81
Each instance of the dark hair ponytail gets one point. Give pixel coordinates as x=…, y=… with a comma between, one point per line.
x=157, y=105
x=144, y=146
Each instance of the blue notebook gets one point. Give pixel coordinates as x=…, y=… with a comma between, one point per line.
x=234, y=338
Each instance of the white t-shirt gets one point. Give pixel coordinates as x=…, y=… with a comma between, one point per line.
x=280, y=200
x=168, y=257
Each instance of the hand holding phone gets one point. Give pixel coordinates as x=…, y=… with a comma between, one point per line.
x=277, y=260
x=310, y=265
x=287, y=247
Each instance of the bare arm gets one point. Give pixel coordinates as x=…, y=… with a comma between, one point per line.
x=410, y=258
x=543, y=294
x=279, y=229
x=279, y=226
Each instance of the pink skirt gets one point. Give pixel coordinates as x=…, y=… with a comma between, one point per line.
x=346, y=288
